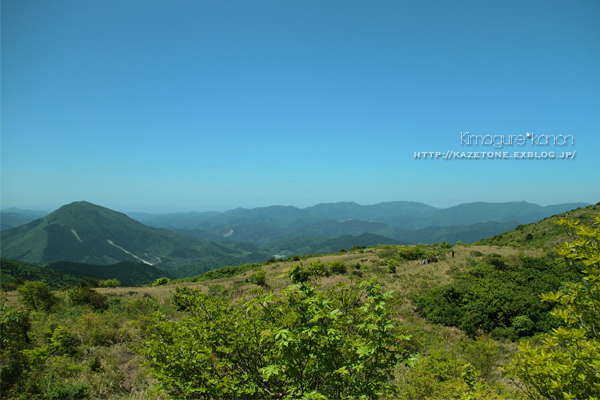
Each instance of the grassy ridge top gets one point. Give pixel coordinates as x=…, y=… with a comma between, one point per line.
x=544, y=234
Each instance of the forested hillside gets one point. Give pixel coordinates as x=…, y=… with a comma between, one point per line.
x=14, y=272
x=82, y=232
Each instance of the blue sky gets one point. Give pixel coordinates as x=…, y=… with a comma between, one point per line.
x=210, y=105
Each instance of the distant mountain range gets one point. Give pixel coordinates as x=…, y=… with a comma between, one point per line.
x=408, y=222
x=184, y=243
x=12, y=217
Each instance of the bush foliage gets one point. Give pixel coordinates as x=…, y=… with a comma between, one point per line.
x=499, y=296
x=302, y=343
x=567, y=363
x=37, y=295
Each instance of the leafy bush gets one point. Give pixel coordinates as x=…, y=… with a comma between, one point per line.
x=318, y=269
x=14, y=326
x=529, y=237
x=484, y=354
x=111, y=283
x=160, y=282
x=100, y=329
x=85, y=295
x=391, y=267
x=443, y=376
x=338, y=267
x=259, y=278
x=63, y=341
x=37, y=296
x=297, y=274
x=412, y=253
x=501, y=298
x=67, y=390
x=301, y=343
x=567, y=362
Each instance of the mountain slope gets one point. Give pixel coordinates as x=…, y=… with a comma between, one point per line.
x=473, y=213
x=86, y=233
x=544, y=233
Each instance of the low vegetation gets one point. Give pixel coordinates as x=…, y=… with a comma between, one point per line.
x=300, y=343
x=499, y=296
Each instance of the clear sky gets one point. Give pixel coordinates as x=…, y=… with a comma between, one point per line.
x=209, y=105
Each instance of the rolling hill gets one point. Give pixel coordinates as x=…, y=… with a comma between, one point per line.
x=545, y=233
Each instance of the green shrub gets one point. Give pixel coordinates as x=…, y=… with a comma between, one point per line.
x=85, y=295
x=501, y=298
x=37, y=296
x=297, y=274
x=66, y=390
x=216, y=290
x=93, y=282
x=110, y=283
x=442, y=376
x=160, y=282
x=391, y=268
x=411, y=253
x=529, y=237
x=302, y=343
x=565, y=364
x=338, y=267
x=63, y=341
x=14, y=327
x=258, y=278
x=318, y=269
x=484, y=354
x=100, y=329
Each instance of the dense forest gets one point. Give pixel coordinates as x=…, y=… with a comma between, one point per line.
x=512, y=317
